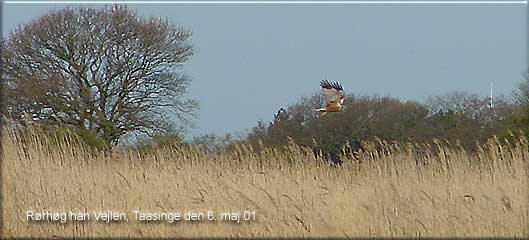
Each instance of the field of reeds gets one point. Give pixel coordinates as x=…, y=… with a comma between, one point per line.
x=392, y=189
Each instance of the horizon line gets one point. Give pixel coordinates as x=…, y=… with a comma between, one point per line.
x=259, y=2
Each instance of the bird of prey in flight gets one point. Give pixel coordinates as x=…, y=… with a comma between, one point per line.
x=333, y=95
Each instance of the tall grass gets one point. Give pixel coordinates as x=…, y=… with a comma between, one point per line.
x=390, y=189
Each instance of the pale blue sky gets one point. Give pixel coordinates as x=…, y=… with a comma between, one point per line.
x=253, y=59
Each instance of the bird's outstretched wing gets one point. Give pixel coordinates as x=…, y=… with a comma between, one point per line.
x=332, y=92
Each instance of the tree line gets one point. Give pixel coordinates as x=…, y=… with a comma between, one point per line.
x=458, y=117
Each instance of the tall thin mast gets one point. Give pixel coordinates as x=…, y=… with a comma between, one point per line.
x=491, y=104
x=491, y=96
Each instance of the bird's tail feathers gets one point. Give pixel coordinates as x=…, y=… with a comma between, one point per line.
x=322, y=111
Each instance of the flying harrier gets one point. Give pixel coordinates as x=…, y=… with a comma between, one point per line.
x=333, y=95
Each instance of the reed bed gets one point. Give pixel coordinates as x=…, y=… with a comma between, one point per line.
x=390, y=189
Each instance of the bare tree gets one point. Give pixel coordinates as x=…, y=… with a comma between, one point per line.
x=471, y=104
x=521, y=94
x=104, y=70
